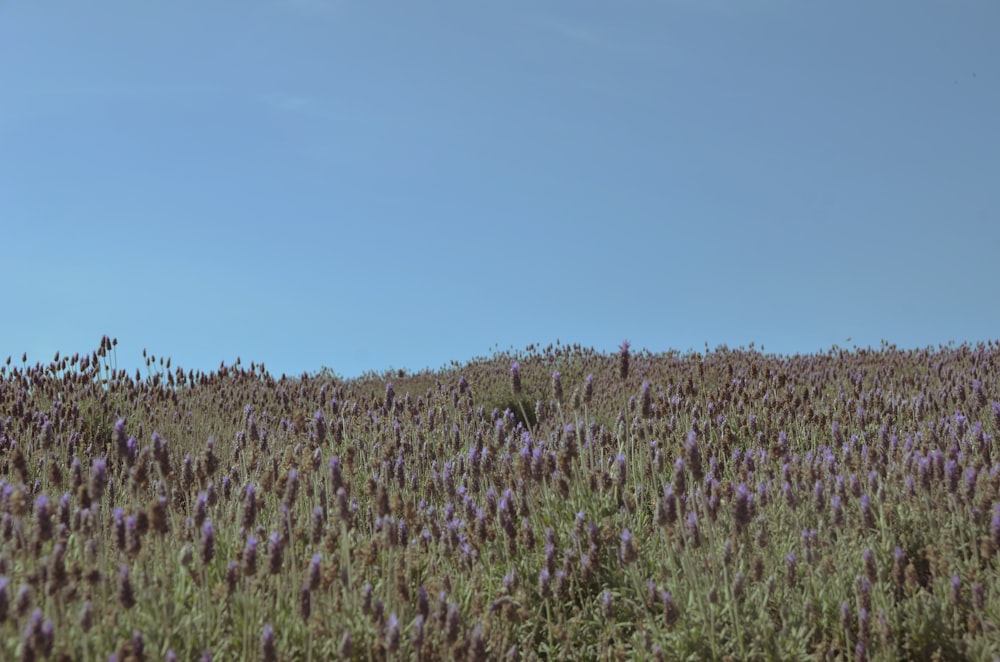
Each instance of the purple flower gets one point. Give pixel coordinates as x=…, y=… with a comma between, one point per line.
x=423, y=604
x=314, y=572
x=951, y=473
x=838, y=511
x=970, y=483
x=86, y=616
x=515, y=377
x=791, y=562
x=741, y=508
x=305, y=603
x=545, y=583
x=452, y=623
x=390, y=395
x=98, y=478
x=789, y=493
x=125, y=593
x=738, y=585
x=138, y=646
x=232, y=576
x=121, y=443
x=693, y=454
x=417, y=632
x=291, y=486
x=670, y=613
x=250, y=557
x=320, y=424
x=627, y=552
x=275, y=550
x=680, y=477
x=867, y=517
x=201, y=509
x=607, y=603
x=345, y=649
x=620, y=472
x=268, y=650
x=43, y=513
x=646, y=400
x=392, y=633
x=666, y=512
x=336, y=475
x=819, y=498
x=249, y=508
x=207, y=543
x=864, y=628
x=691, y=524
x=871, y=572
x=623, y=359
x=4, y=599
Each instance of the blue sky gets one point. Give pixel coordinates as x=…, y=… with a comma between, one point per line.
x=365, y=185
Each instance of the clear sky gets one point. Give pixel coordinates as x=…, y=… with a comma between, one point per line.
x=363, y=184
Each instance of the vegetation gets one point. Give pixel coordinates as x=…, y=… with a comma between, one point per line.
x=554, y=503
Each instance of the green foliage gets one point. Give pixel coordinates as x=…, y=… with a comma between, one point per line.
x=426, y=480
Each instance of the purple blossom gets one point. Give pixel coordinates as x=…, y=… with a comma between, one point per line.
x=305, y=603
x=951, y=473
x=670, y=613
x=515, y=377
x=207, y=543
x=867, y=516
x=791, y=562
x=692, y=452
x=694, y=533
x=819, y=497
x=452, y=623
x=320, y=425
x=268, y=650
x=275, y=550
x=250, y=557
x=742, y=508
x=545, y=583
x=314, y=576
x=666, y=513
x=871, y=572
x=623, y=359
x=126, y=596
x=43, y=513
x=838, y=511
x=392, y=636
x=98, y=478
x=627, y=552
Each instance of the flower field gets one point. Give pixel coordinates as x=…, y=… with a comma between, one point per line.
x=550, y=503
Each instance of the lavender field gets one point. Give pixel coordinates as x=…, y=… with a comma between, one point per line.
x=551, y=503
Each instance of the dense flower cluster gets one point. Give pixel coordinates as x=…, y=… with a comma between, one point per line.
x=727, y=504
